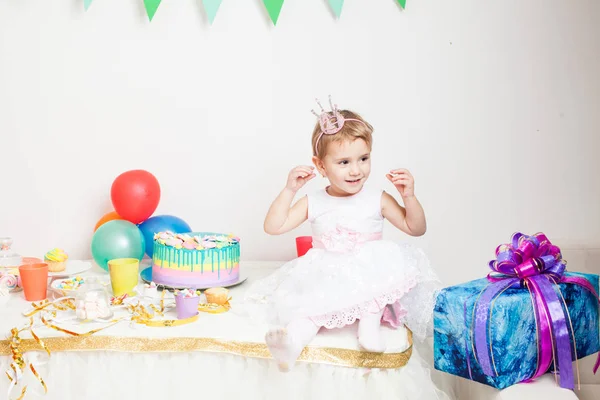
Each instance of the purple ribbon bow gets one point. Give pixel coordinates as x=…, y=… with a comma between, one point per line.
x=534, y=262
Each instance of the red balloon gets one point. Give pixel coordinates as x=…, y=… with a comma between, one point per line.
x=135, y=195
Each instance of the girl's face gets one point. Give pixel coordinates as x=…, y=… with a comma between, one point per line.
x=347, y=165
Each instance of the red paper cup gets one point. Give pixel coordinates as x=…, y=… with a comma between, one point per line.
x=303, y=244
x=34, y=278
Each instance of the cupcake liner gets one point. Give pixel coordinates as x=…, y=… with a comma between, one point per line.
x=56, y=266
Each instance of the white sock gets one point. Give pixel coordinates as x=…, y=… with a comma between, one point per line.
x=370, y=336
x=286, y=344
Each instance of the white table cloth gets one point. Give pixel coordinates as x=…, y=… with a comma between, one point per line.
x=220, y=354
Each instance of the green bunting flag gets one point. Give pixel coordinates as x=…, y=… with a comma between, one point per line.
x=211, y=7
x=151, y=7
x=336, y=7
x=274, y=8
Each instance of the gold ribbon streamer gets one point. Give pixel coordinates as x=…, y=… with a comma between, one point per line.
x=320, y=355
x=88, y=333
x=22, y=393
x=165, y=322
x=117, y=301
x=18, y=359
x=60, y=305
x=213, y=308
x=37, y=339
x=157, y=310
x=39, y=378
x=141, y=316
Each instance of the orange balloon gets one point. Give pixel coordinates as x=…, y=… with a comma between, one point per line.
x=107, y=217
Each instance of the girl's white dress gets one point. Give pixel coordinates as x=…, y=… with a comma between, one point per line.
x=351, y=271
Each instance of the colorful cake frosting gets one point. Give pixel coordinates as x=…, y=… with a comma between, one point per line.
x=56, y=255
x=195, y=260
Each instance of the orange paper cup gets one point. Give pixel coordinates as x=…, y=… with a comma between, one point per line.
x=34, y=278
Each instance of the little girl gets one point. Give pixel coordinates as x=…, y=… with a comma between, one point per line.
x=351, y=273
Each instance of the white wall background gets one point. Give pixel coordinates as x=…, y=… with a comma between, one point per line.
x=494, y=107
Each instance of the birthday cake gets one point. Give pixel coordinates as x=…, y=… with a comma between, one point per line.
x=195, y=260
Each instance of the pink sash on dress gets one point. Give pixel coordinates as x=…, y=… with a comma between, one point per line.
x=344, y=240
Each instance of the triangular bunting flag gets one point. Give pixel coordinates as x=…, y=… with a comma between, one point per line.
x=336, y=7
x=86, y=4
x=402, y=3
x=211, y=7
x=151, y=7
x=273, y=7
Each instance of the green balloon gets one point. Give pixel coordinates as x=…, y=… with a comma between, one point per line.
x=117, y=239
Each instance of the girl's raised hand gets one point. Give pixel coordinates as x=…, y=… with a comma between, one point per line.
x=403, y=180
x=299, y=176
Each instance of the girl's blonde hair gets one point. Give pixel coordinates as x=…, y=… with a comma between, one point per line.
x=351, y=130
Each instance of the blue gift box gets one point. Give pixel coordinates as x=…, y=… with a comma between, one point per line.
x=512, y=330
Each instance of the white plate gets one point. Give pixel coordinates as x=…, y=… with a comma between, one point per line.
x=73, y=292
x=74, y=267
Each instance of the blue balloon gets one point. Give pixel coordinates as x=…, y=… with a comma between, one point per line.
x=161, y=223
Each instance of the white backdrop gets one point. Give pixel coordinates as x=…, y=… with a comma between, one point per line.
x=492, y=105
